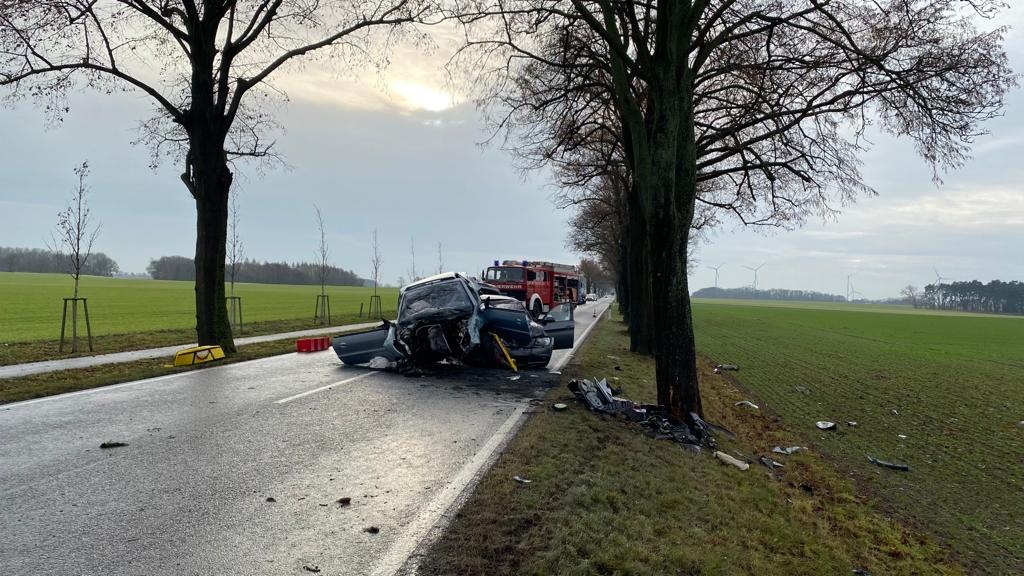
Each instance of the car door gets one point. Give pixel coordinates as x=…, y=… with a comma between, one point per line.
x=560, y=325
x=512, y=325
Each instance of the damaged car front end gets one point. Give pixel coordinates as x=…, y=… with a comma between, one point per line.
x=453, y=318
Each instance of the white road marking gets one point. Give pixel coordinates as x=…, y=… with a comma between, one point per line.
x=428, y=516
x=322, y=388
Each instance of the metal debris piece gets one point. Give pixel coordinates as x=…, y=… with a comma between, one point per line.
x=771, y=464
x=895, y=412
x=371, y=530
x=271, y=499
x=559, y=407
x=802, y=389
x=746, y=403
x=889, y=465
x=106, y=445
x=901, y=436
x=344, y=501
x=851, y=424
x=521, y=480
x=788, y=450
x=514, y=378
x=314, y=568
x=726, y=368
x=733, y=461
x=825, y=425
x=860, y=572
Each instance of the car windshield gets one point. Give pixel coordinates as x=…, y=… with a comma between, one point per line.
x=505, y=274
x=448, y=297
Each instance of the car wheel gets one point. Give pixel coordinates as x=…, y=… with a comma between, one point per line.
x=537, y=310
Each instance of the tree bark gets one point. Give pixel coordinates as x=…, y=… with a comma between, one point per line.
x=211, y=186
x=641, y=317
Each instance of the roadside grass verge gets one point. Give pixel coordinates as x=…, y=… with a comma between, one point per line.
x=607, y=499
x=940, y=393
x=40, y=350
x=51, y=383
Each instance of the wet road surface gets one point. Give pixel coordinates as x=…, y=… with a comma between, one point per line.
x=239, y=469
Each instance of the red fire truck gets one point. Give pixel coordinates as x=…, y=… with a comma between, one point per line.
x=540, y=285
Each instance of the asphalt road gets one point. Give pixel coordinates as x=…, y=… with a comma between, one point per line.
x=239, y=469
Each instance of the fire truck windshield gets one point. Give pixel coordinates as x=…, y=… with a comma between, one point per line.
x=505, y=274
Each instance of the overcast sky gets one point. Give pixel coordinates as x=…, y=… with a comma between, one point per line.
x=406, y=161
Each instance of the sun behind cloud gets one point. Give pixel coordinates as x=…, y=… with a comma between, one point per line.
x=414, y=96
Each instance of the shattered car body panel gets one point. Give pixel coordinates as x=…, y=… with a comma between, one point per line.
x=450, y=317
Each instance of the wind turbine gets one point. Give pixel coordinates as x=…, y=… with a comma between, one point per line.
x=938, y=277
x=754, y=270
x=849, y=288
x=715, y=268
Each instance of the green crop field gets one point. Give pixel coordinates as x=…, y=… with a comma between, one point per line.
x=943, y=393
x=30, y=304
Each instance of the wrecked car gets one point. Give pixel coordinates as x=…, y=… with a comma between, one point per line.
x=453, y=318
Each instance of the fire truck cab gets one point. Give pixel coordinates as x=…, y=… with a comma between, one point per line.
x=539, y=285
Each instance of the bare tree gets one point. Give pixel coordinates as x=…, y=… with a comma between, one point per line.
x=76, y=234
x=440, y=259
x=235, y=248
x=376, y=261
x=322, y=252
x=207, y=66
x=911, y=293
x=765, y=104
x=76, y=231
x=413, y=276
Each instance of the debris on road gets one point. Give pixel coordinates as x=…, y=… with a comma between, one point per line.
x=271, y=499
x=344, y=501
x=659, y=423
x=726, y=368
x=521, y=480
x=107, y=445
x=825, y=425
x=308, y=568
x=788, y=450
x=733, y=461
x=889, y=465
x=371, y=530
x=747, y=403
x=771, y=464
x=514, y=378
x=559, y=407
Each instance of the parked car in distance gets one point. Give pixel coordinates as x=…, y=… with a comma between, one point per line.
x=591, y=297
x=451, y=317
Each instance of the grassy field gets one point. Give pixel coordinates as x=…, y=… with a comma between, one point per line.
x=942, y=393
x=30, y=304
x=844, y=307
x=607, y=499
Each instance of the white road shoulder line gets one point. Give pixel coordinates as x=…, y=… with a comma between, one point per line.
x=322, y=388
x=419, y=526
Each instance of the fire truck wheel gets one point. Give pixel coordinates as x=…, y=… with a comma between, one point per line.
x=537, y=310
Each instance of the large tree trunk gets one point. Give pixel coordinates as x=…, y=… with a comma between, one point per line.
x=641, y=317
x=211, y=182
x=673, y=192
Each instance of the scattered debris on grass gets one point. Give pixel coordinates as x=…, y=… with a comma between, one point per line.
x=889, y=465
x=726, y=368
x=733, y=461
x=852, y=424
x=771, y=464
x=895, y=412
x=802, y=389
x=747, y=403
x=308, y=568
x=659, y=423
x=106, y=445
x=271, y=499
x=901, y=436
x=559, y=407
x=521, y=480
x=788, y=450
x=861, y=572
x=371, y=530
x=825, y=425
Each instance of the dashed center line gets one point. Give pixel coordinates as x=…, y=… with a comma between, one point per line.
x=322, y=388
